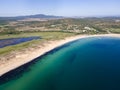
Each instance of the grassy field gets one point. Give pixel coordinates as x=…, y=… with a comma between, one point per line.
x=117, y=31
x=46, y=36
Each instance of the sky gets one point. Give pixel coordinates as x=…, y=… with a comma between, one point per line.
x=60, y=7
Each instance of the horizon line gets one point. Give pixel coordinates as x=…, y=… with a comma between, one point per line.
x=62, y=15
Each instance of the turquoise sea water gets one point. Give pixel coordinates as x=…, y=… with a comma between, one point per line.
x=85, y=64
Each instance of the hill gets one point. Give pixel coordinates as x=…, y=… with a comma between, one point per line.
x=42, y=16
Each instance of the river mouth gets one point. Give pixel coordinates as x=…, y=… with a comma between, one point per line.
x=14, y=41
x=85, y=64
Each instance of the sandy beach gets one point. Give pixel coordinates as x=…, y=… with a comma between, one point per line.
x=29, y=55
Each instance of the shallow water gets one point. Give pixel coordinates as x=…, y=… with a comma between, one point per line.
x=14, y=41
x=85, y=64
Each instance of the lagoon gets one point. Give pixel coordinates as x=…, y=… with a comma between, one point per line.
x=14, y=41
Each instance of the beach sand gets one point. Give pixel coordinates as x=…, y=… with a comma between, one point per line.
x=27, y=56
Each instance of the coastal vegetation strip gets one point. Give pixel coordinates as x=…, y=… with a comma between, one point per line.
x=46, y=36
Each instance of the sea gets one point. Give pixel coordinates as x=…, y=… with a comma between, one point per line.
x=85, y=64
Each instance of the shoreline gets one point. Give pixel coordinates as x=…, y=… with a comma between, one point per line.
x=30, y=55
